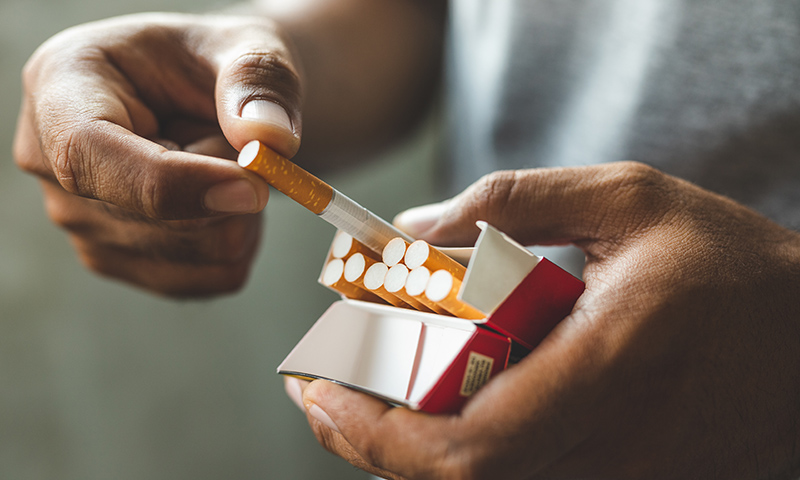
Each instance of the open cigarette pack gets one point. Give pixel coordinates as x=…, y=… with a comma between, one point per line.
x=415, y=327
x=424, y=354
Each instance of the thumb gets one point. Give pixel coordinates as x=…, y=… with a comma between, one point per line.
x=547, y=206
x=258, y=89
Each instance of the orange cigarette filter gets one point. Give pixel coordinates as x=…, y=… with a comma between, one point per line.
x=333, y=278
x=291, y=180
x=443, y=290
x=354, y=272
x=422, y=254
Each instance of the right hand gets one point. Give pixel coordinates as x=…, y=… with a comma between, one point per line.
x=131, y=124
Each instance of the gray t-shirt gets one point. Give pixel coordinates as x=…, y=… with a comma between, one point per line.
x=707, y=90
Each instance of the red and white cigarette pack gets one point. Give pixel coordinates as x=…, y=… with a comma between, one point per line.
x=434, y=363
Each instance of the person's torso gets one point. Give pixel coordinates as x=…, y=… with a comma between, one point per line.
x=707, y=90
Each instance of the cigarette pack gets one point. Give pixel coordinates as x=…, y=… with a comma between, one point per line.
x=433, y=362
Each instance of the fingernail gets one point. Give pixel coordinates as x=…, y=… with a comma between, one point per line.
x=266, y=112
x=236, y=196
x=294, y=391
x=418, y=220
x=323, y=417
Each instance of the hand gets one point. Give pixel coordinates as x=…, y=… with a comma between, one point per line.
x=680, y=360
x=130, y=124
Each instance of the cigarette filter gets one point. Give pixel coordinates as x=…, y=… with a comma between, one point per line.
x=354, y=269
x=443, y=290
x=420, y=253
x=344, y=245
x=394, y=251
x=333, y=278
x=395, y=283
x=319, y=197
x=416, y=283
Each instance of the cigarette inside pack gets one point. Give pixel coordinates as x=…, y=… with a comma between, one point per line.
x=421, y=330
x=412, y=275
x=415, y=326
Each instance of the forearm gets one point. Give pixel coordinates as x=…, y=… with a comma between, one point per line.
x=370, y=69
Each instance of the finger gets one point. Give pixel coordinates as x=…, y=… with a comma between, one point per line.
x=26, y=149
x=549, y=206
x=539, y=403
x=90, y=130
x=258, y=90
x=203, y=241
x=214, y=146
x=99, y=159
x=294, y=390
x=175, y=279
x=365, y=409
x=325, y=430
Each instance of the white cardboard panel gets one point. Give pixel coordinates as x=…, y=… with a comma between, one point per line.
x=375, y=348
x=355, y=346
x=497, y=266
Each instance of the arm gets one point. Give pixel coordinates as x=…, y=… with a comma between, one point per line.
x=679, y=361
x=128, y=123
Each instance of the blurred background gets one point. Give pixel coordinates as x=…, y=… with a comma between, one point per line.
x=101, y=381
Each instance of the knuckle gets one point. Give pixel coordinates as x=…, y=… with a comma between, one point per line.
x=492, y=193
x=154, y=198
x=33, y=66
x=635, y=197
x=69, y=163
x=638, y=184
x=157, y=196
x=26, y=155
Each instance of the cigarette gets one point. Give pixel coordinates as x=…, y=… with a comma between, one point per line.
x=417, y=281
x=344, y=245
x=333, y=278
x=375, y=275
x=354, y=272
x=395, y=283
x=394, y=251
x=374, y=279
x=443, y=289
x=420, y=253
x=319, y=197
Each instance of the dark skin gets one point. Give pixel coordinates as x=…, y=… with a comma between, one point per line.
x=131, y=123
x=679, y=361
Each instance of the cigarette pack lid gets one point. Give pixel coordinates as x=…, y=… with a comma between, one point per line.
x=524, y=296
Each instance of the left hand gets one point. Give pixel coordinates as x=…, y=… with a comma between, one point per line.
x=680, y=360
